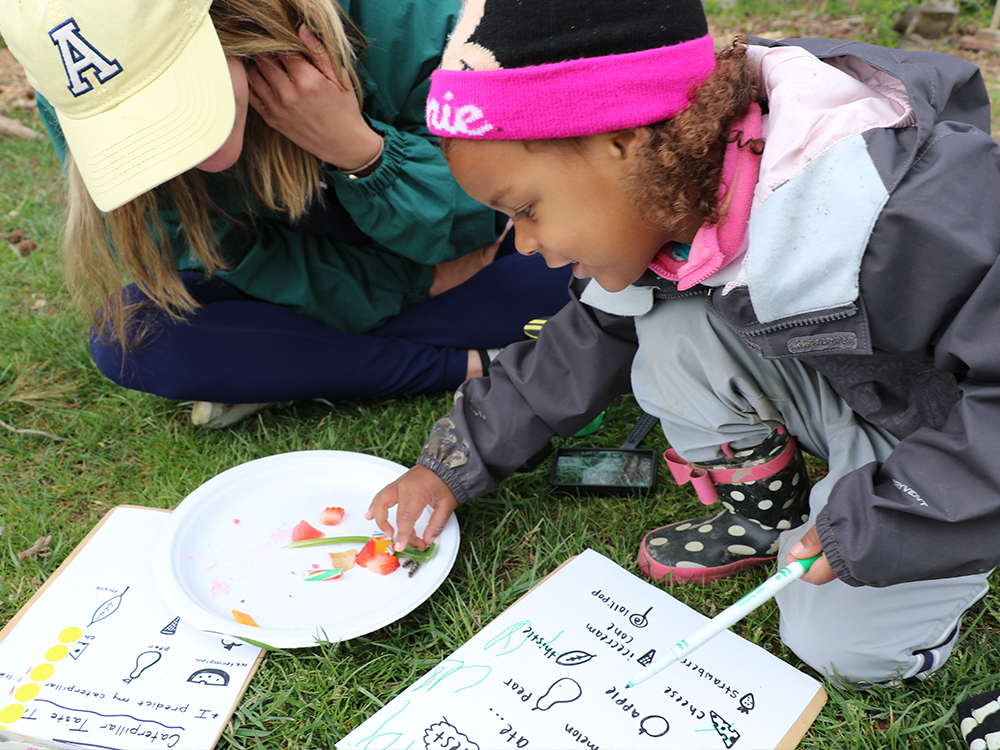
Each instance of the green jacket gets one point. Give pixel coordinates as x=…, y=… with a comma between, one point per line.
x=408, y=215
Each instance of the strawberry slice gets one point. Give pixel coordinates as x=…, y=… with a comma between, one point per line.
x=382, y=563
x=303, y=530
x=331, y=516
x=366, y=553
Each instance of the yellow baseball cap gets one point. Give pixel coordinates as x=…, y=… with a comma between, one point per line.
x=141, y=87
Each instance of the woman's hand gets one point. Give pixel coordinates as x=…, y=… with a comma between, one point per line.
x=451, y=273
x=411, y=493
x=313, y=106
x=810, y=546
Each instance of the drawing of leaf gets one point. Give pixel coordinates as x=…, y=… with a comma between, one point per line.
x=573, y=658
x=108, y=608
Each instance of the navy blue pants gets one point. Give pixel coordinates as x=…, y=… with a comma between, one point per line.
x=237, y=349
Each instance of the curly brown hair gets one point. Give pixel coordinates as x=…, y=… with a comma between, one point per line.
x=681, y=160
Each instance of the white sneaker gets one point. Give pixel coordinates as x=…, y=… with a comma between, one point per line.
x=211, y=414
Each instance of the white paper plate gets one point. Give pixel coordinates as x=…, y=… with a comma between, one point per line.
x=224, y=550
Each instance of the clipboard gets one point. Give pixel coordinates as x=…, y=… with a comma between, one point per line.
x=551, y=671
x=96, y=657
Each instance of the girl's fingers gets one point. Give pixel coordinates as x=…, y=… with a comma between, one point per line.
x=808, y=546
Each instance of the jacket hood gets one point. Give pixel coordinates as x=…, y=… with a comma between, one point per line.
x=939, y=87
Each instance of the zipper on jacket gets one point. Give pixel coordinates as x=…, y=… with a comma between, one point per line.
x=659, y=293
x=764, y=330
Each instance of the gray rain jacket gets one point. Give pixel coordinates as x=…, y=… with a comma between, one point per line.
x=890, y=288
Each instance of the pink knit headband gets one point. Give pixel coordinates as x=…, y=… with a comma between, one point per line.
x=571, y=98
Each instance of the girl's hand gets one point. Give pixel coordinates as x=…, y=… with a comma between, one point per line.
x=411, y=493
x=313, y=106
x=809, y=546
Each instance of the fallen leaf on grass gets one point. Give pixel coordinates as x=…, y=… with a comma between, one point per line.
x=39, y=549
x=19, y=241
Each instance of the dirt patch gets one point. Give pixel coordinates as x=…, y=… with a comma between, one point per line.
x=15, y=91
x=804, y=25
x=855, y=27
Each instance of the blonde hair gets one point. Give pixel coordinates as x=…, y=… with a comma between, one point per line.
x=102, y=250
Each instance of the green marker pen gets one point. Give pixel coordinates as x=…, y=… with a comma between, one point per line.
x=727, y=618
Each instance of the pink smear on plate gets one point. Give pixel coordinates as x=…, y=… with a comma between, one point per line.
x=219, y=588
x=279, y=538
x=282, y=536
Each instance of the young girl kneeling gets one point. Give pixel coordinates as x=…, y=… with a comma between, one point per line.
x=784, y=246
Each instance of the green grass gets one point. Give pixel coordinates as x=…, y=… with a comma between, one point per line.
x=123, y=447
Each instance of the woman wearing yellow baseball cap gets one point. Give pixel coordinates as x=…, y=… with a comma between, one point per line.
x=261, y=173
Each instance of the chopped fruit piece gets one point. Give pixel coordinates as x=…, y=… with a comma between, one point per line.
x=366, y=553
x=382, y=563
x=304, y=531
x=244, y=618
x=343, y=560
x=331, y=516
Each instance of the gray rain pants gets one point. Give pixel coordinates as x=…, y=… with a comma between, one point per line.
x=708, y=388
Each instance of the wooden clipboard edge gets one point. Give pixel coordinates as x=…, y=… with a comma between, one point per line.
x=794, y=734
x=798, y=730
x=561, y=565
x=72, y=555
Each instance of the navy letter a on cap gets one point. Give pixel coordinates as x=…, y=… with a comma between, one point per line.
x=79, y=55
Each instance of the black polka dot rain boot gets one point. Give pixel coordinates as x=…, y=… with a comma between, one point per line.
x=980, y=720
x=764, y=491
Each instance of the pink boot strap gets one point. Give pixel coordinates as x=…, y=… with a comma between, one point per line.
x=685, y=472
x=703, y=480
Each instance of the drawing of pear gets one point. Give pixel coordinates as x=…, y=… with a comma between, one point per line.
x=143, y=662
x=563, y=690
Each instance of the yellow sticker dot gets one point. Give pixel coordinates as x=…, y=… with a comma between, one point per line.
x=42, y=672
x=56, y=653
x=11, y=713
x=27, y=692
x=70, y=634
